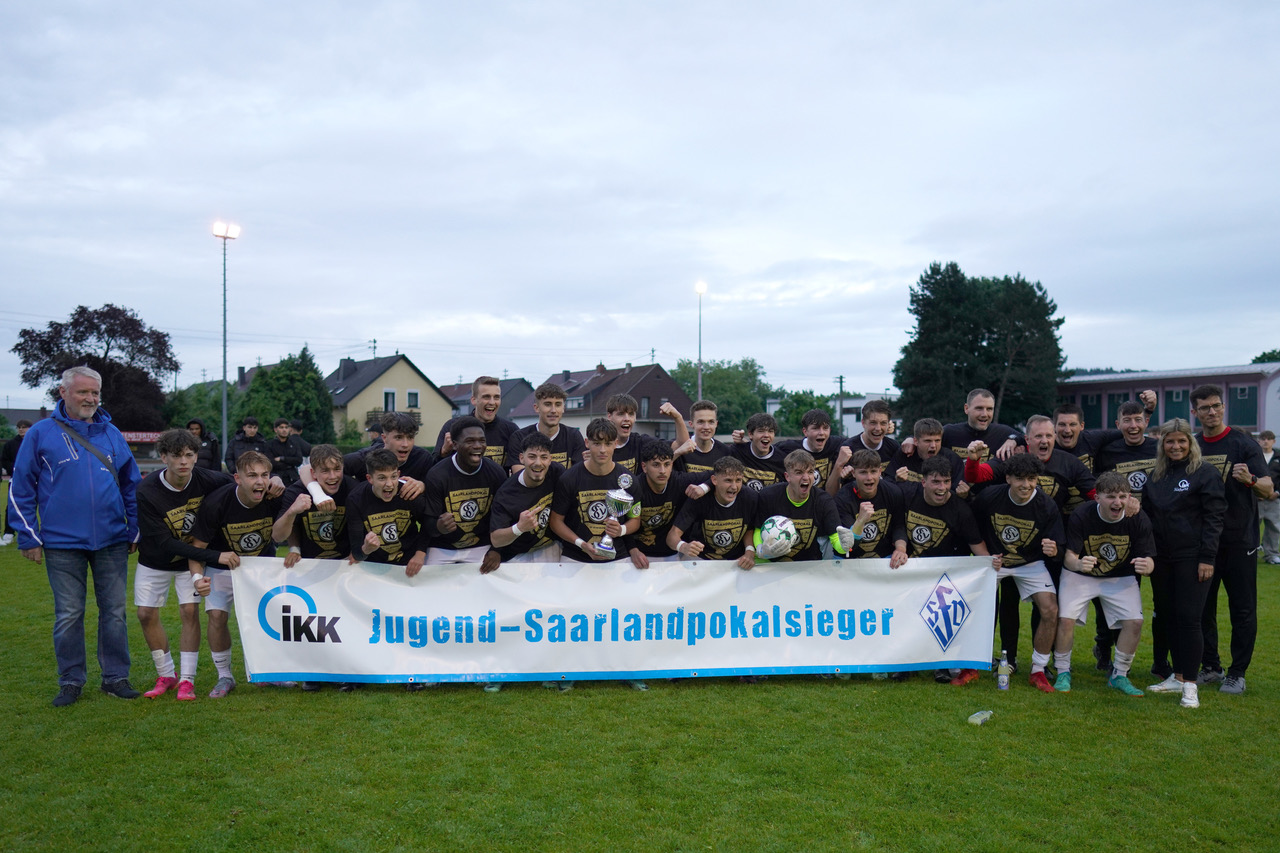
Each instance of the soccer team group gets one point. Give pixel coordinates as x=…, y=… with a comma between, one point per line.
x=1069, y=516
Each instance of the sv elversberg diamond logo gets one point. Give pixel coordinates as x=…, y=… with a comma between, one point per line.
x=944, y=611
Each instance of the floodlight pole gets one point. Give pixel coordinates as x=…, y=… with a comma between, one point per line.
x=701, y=288
x=224, y=232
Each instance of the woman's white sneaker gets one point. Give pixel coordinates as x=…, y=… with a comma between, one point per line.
x=1190, y=695
x=1169, y=685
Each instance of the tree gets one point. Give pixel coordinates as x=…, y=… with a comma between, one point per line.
x=294, y=388
x=1265, y=357
x=7, y=430
x=994, y=333
x=132, y=358
x=793, y=406
x=202, y=400
x=738, y=389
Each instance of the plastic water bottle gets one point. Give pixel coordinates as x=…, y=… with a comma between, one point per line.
x=1003, y=671
x=980, y=718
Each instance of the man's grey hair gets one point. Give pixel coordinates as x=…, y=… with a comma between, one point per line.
x=69, y=375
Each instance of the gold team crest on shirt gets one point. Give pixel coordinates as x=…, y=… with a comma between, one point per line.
x=925, y=531
x=1110, y=550
x=1015, y=534
x=469, y=508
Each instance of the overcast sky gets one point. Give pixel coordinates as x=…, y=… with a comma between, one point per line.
x=532, y=187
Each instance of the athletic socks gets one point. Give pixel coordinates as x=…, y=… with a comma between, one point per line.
x=1062, y=661
x=1122, y=663
x=164, y=662
x=187, y=662
x=1039, y=660
x=222, y=660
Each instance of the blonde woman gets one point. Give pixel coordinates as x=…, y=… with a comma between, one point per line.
x=1186, y=502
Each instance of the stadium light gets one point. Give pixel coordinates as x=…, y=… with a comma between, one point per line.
x=701, y=288
x=224, y=231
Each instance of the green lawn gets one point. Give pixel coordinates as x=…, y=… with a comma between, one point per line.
x=788, y=764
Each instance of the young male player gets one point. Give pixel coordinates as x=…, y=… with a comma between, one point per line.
x=811, y=510
x=661, y=494
x=382, y=524
x=1105, y=551
x=815, y=425
x=521, y=514
x=316, y=530
x=909, y=467
x=979, y=425
x=1022, y=527
x=567, y=445
x=874, y=507
x=701, y=459
x=285, y=452
x=621, y=410
x=877, y=420
x=399, y=431
x=1236, y=568
x=236, y=517
x=718, y=527
x=486, y=399
x=459, y=492
x=167, y=503
x=762, y=463
x=246, y=438
x=580, y=515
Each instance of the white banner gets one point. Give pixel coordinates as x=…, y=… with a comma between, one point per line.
x=324, y=620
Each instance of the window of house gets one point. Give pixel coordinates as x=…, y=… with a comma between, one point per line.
x=644, y=407
x=388, y=401
x=411, y=399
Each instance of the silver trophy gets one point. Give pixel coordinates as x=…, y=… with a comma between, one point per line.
x=618, y=502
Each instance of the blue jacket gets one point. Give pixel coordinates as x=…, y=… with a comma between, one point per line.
x=62, y=496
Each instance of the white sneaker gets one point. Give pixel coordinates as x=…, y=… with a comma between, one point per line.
x=1169, y=685
x=1190, y=695
x=7, y=539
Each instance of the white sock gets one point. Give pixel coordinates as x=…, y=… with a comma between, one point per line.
x=1122, y=663
x=164, y=662
x=1062, y=661
x=1039, y=660
x=222, y=660
x=187, y=662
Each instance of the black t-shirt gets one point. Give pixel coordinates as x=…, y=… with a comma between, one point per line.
x=760, y=473
x=1086, y=449
x=322, y=534
x=658, y=511
x=823, y=460
x=1114, y=544
x=1232, y=448
x=888, y=449
x=724, y=531
x=397, y=523
x=416, y=466
x=939, y=531
x=1135, y=462
x=580, y=499
x=628, y=455
x=1016, y=531
x=466, y=496
x=913, y=462
x=228, y=525
x=514, y=497
x=1063, y=474
x=699, y=462
x=958, y=437
x=815, y=519
x=166, y=519
x=566, y=448
x=887, y=524
x=497, y=435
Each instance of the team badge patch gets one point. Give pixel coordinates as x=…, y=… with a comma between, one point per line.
x=624, y=481
x=944, y=612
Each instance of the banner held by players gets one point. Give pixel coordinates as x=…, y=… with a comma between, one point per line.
x=324, y=620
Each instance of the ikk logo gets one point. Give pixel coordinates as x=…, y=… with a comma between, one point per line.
x=296, y=627
x=944, y=612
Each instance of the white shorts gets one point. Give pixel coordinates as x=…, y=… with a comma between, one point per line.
x=549, y=553
x=1030, y=578
x=1121, y=598
x=221, y=593
x=442, y=556
x=151, y=586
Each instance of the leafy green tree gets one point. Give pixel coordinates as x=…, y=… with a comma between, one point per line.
x=793, y=407
x=294, y=388
x=202, y=400
x=738, y=389
x=1021, y=349
x=1265, y=357
x=352, y=433
x=7, y=430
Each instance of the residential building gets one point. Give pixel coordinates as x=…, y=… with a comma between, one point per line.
x=587, y=391
x=363, y=390
x=513, y=392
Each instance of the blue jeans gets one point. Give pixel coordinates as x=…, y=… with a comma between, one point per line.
x=68, y=574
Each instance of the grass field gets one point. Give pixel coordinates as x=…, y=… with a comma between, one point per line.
x=788, y=764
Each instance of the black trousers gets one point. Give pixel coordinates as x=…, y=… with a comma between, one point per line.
x=1236, y=570
x=1179, y=596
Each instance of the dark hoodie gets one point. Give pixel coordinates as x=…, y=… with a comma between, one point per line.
x=240, y=444
x=210, y=455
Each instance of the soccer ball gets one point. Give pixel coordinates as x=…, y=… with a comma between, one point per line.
x=777, y=536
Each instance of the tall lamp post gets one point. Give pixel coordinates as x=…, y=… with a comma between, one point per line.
x=701, y=288
x=224, y=231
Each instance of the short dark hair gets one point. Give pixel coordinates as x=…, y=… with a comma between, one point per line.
x=463, y=423
x=761, y=421
x=1023, y=465
x=1266, y=433
x=815, y=418
x=1112, y=483
x=799, y=459
x=536, y=441
x=863, y=459
x=703, y=406
x=322, y=453
x=728, y=465
x=280, y=422
x=23, y=422
x=248, y=420
x=936, y=465
x=399, y=422
x=1204, y=392
x=601, y=429
x=872, y=407
x=1068, y=409
x=174, y=441
x=484, y=380
x=621, y=403
x=295, y=424
x=1131, y=407
x=380, y=460
x=549, y=391
x=976, y=393
x=652, y=450
x=927, y=426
